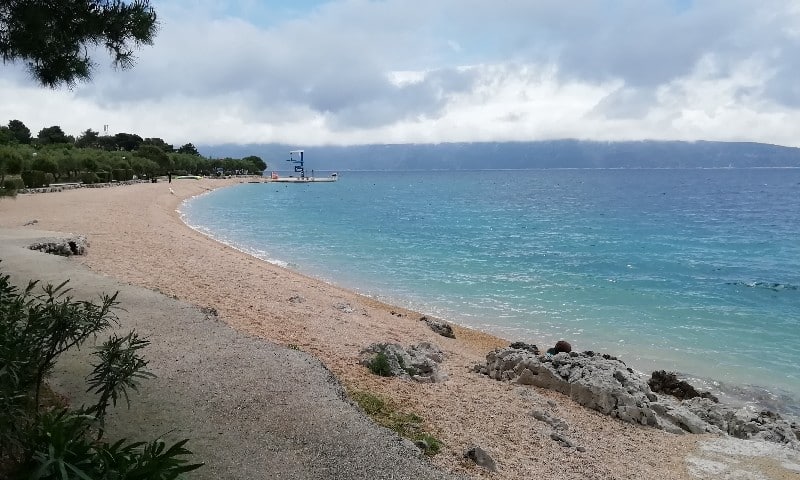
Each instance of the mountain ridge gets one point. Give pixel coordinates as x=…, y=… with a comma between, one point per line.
x=568, y=153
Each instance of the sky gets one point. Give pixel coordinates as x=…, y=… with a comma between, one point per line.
x=346, y=72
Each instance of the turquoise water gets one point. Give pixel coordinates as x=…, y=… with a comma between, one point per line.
x=696, y=271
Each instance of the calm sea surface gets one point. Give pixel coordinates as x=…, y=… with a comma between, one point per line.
x=696, y=271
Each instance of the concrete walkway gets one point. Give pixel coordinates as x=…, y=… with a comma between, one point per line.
x=251, y=409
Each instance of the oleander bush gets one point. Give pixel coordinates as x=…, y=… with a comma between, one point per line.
x=41, y=439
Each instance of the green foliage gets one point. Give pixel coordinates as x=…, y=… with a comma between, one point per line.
x=258, y=164
x=156, y=155
x=119, y=370
x=54, y=38
x=34, y=179
x=386, y=413
x=161, y=144
x=20, y=133
x=51, y=135
x=88, y=139
x=127, y=141
x=89, y=178
x=44, y=163
x=122, y=174
x=379, y=365
x=146, y=159
x=188, y=149
x=5, y=135
x=60, y=443
x=11, y=186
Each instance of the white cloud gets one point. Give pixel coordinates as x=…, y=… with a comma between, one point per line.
x=412, y=71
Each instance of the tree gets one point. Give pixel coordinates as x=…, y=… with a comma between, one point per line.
x=54, y=37
x=107, y=142
x=188, y=148
x=157, y=142
x=10, y=162
x=258, y=164
x=51, y=135
x=5, y=135
x=128, y=141
x=156, y=155
x=88, y=139
x=19, y=131
x=46, y=163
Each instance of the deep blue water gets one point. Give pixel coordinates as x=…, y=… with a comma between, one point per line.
x=696, y=271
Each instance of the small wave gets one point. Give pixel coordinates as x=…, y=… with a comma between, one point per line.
x=775, y=287
x=752, y=397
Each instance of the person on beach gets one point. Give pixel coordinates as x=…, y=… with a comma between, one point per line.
x=561, y=346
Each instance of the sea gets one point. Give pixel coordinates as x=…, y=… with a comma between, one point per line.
x=695, y=271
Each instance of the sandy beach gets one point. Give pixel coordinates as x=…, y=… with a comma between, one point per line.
x=136, y=237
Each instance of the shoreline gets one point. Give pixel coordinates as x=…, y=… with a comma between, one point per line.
x=148, y=244
x=715, y=370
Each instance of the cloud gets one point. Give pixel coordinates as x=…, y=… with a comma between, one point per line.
x=358, y=71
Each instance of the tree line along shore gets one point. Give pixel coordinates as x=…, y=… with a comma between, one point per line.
x=54, y=157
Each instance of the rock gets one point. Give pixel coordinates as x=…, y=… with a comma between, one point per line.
x=344, y=307
x=562, y=346
x=296, y=299
x=65, y=247
x=556, y=423
x=667, y=383
x=564, y=441
x=419, y=362
x=741, y=423
x=529, y=347
x=439, y=327
x=481, y=458
x=605, y=384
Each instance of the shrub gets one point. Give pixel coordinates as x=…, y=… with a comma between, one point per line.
x=11, y=186
x=89, y=178
x=34, y=178
x=35, y=329
x=379, y=365
x=122, y=174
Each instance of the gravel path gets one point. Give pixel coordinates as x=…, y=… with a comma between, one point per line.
x=252, y=409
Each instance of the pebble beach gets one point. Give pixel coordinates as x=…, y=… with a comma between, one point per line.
x=136, y=237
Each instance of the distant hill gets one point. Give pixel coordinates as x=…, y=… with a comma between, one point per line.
x=522, y=155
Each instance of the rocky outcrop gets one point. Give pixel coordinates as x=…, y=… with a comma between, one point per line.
x=740, y=423
x=419, y=362
x=668, y=383
x=606, y=384
x=439, y=327
x=62, y=246
x=525, y=346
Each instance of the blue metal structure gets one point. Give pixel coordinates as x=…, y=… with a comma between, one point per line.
x=299, y=167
